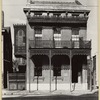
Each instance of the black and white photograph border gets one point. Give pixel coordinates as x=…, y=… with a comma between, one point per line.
x=50, y=49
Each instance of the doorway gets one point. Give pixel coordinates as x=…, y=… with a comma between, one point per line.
x=77, y=63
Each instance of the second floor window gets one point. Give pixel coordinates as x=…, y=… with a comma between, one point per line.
x=57, y=34
x=38, y=30
x=38, y=33
x=75, y=34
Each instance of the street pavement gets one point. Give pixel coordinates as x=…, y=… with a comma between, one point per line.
x=54, y=95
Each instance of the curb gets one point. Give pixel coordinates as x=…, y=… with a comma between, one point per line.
x=46, y=93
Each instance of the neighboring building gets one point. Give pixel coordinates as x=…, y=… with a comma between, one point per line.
x=17, y=78
x=20, y=41
x=94, y=81
x=7, y=54
x=55, y=46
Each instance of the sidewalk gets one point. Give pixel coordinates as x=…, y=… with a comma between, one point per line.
x=18, y=93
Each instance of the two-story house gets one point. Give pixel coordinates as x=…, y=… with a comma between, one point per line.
x=55, y=46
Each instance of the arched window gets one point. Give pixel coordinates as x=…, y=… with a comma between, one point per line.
x=20, y=38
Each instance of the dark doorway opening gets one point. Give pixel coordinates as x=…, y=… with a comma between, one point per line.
x=57, y=62
x=39, y=61
x=77, y=62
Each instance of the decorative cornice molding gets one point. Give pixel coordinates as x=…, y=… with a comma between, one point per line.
x=52, y=2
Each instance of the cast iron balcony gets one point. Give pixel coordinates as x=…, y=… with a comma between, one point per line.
x=21, y=50
x=59, y=44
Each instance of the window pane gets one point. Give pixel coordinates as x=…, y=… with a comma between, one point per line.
x=38, y=71
x=38, y=30
x=75, y=31
x=57, y=71
x=57, y=31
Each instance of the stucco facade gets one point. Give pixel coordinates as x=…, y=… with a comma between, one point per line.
x=56, y=49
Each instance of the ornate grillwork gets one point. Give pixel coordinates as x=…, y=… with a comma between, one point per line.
x=20, y=49
x=60, y=51
x=59, y=44
x=39, y=52
x=81, y=52
x=47, y=45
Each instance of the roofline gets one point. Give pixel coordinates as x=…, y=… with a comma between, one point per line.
x=50, y=2
x=59, y=10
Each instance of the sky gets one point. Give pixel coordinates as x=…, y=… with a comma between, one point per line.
x=13, y=14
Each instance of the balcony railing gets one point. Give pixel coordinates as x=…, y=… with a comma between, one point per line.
x=59, y=44
x=56, y=18
x=21, y=50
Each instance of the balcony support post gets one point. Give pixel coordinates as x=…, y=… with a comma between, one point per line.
x=70, y=68
x=27, y=59
x=50, y=67
x=70, y=65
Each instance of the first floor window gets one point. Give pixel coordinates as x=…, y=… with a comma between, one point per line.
x=38, y=71
x=57, y=71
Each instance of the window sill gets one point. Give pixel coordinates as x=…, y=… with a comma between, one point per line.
x=38, y=77
x=58, y=78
